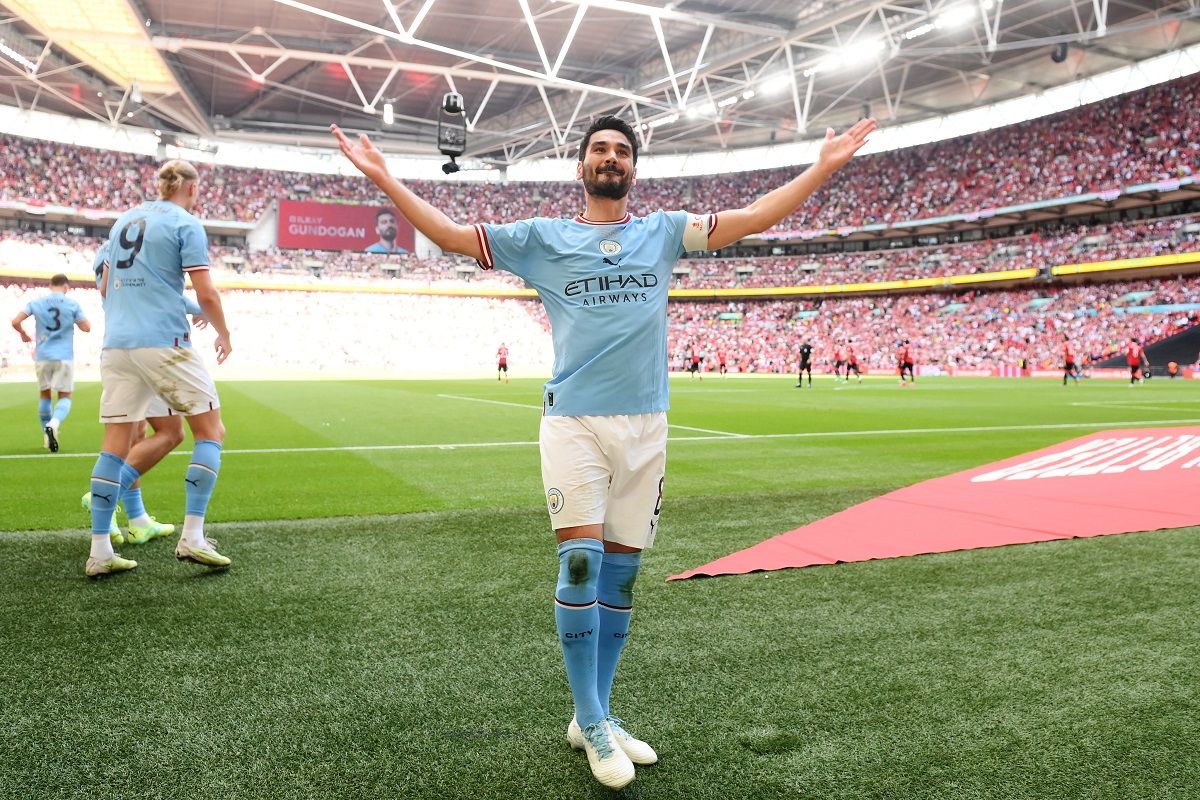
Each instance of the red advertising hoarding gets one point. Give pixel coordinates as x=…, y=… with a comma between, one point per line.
x=330, y=226
x=1115, y=481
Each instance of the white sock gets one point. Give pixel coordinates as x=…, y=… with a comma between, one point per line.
x=193, y=530
x=102, y=549
x=53, y=423
x=140, y=521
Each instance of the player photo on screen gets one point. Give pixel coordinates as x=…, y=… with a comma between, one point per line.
x=386, y=228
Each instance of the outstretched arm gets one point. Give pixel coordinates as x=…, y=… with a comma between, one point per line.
x=437, y=227
x=770, y=209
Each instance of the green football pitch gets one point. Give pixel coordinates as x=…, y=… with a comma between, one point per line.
x=386, y=629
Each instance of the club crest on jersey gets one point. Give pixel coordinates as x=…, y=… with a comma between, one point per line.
x=610, y=247
x=554, y=500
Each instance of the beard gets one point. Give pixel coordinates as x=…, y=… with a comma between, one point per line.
x=600, y=184
x=388, y=233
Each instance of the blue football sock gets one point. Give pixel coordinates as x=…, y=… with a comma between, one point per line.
x=201, y=477
x=44, y=411
x=61, y=409
x=131, y=498
x=615, y=593
x=106, y=488
x=577, y=620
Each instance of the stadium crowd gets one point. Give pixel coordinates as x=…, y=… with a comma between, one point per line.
x=73, y=254
x=971, y=330
x=1148, y=136
x=360, y=334
x=1142, y=137
x=1037, y=250
x=408, y=336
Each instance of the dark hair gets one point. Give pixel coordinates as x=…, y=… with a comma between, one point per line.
x=59, y=280
x=389, y=211
x=610, y=123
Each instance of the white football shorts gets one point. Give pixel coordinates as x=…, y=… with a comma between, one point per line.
x=606, y=470
x=158, y=408
x=134, y=379
x=58, y=376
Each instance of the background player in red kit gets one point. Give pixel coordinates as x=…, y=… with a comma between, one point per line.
x=502, y=362
x=721, y=362
x=905, y=359
x=852, y=362
x=1070, y=364
x=839, y=358
x=1135, y=357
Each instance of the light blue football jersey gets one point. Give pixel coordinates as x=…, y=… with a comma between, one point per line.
x=149, y=249
x=99, y=261
x=55, y=315
x=604, y=287
x=190, y=306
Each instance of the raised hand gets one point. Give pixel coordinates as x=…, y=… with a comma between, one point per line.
x=363, y=155
x=837, y=150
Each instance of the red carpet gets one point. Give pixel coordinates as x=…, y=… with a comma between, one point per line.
x=1109, y=482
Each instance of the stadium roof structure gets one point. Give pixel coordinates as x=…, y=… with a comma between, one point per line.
x=693, y=75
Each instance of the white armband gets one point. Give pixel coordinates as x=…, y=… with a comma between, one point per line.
x=695, y=234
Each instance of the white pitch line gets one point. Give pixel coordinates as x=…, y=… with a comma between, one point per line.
x=1137, y=402
x=493, y=402
x=973, y=429
x=726, y=434
x=524, y=405
x=721, y=438
x=1143, y=406
x=341, y=449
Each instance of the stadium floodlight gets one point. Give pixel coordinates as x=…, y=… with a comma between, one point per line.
x=389, y=114
x=857, y=52
x=920, y=30
x=850, y=54
x=135, y=92
x=955, y=17
x=728, y=101
x=749, y=93
x=29, y=66
x=667, y=120
x=776, y=83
